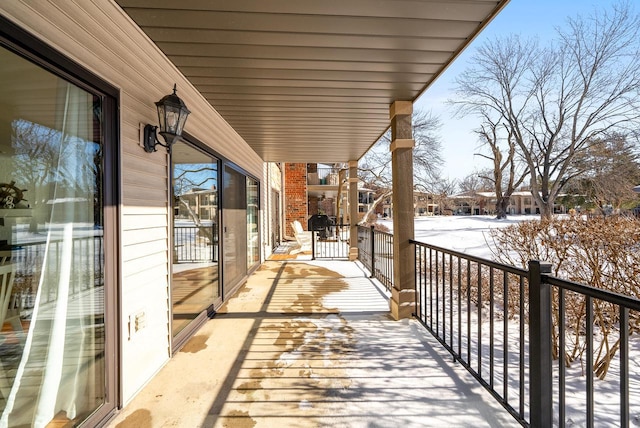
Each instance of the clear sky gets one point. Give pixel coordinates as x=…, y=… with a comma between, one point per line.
x=528, y=18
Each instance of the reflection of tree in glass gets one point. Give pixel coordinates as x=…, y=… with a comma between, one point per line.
x=190, y=178
x=36, y=151
x=50, y=166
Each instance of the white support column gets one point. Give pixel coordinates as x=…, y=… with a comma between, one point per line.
x=353, y=210
x=402, y=302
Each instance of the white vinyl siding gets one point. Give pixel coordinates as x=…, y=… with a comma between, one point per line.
x=101, y=37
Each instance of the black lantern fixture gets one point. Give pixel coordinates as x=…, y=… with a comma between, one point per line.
x=172, y=115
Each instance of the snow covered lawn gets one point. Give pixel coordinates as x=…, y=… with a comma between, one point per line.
x=469, y=234
x=460, y=233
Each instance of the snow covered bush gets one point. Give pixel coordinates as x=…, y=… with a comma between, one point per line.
x=602, y=252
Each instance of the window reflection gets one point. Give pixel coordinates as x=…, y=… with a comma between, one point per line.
x=195, y=234
x=253, y=245
x=51, y=248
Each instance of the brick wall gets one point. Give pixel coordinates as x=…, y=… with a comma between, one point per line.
x=295, y=194
x=313, y=205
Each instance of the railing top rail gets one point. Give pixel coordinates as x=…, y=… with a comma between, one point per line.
x=18, y=245
x=368, y=228
x=379, y=232
x=507, y=268
x=597, y=293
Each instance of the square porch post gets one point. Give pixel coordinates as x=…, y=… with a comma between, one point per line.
x=402, y=302
x=353, y=210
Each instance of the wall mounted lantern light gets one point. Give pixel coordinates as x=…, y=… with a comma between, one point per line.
x=172, y=115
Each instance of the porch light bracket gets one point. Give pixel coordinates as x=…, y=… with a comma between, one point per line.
x=151, y=139
x=172, y=115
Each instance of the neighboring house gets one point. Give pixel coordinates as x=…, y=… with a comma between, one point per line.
x=202, y=202
x=425, y=204
x=483, y=203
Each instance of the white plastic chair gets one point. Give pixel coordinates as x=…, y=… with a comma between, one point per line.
x=5, y=257
x=7, y=275
x=303, y=237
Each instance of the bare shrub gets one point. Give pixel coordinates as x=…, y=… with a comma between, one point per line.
x=602, y=252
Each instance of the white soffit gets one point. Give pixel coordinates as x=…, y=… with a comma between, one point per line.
x=311, y=80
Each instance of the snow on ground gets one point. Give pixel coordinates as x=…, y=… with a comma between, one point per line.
x=467, y=234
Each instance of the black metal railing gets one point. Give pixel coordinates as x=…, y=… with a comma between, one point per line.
x=28, y=260
x=375, y=252
x=460, y=299
x=507, y=327
x=324, y=176
x=195, y=244
x=607, y=317
x=331, y=242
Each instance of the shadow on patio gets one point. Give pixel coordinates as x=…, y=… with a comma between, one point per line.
x=310, y=344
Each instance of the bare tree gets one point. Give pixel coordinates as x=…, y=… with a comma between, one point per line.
x=473, y=182
x=375, y=167
x=471, y=185
x=442, y=192
x=612, y=172
x=559, y=99
x=188, y=178
x=342, y=179
x=507, y=174
x=380, y=196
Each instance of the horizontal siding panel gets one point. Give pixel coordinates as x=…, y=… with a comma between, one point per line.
x=144, y=193
x=144, y=263
x=132, y=237
x=133, y=209
x=146, y=164
x=149, y=285
x=143, y=249
x=144, y=222
x=135, y=204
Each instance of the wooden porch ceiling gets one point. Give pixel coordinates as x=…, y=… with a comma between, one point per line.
x=309, y=80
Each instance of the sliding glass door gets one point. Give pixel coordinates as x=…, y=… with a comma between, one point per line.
x=253, y=240
x=234, y=227
x=195, y=280
x=241, y=236
x=55, y=368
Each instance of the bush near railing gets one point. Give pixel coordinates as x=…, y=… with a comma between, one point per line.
x=461, y=299
x=506, y=325
x=603, y=252
x=506, y=320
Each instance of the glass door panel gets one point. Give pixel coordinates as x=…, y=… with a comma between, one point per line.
x=195, y=279
x=235, y=227
x=52, y=294
x=253, y=241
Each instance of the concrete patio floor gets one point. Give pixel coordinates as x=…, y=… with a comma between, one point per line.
x=311, y=344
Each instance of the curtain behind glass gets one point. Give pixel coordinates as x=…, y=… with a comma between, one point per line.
x=64, y=347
